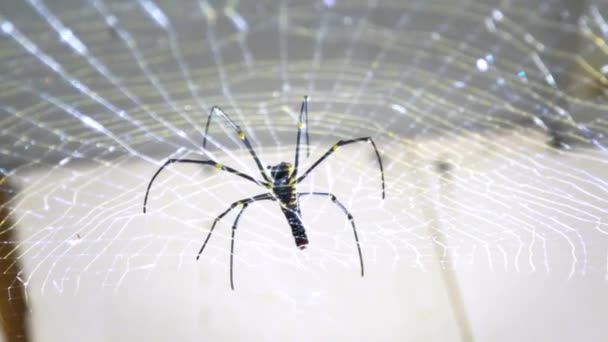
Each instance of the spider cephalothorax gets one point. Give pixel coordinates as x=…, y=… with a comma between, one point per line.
x=281, y=182
x=281, y=173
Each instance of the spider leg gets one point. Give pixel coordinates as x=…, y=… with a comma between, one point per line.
x=335, y=148
x=348, y=215
x=242, y=136
x=244, y=203
x=306, y=126
x=204, y=162
x=302, y=123
x=234, y=225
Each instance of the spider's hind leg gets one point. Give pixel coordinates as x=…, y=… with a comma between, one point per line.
x=234, y=226
x=350, y=218
x=244, y=203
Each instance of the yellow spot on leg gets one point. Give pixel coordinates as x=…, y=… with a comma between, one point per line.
x=242, y=135
x=300, y=125
x=335, y=147
x=218, y=166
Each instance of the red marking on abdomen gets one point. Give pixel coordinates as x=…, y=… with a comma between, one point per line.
x=301, y=242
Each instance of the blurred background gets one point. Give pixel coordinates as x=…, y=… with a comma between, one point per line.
x=489, y=115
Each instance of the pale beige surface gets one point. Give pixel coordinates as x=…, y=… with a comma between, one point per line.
x=99, y=268
x=134, y=276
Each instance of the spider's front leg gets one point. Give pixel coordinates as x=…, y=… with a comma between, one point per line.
x=202, y=162
x=241, y=134
x=335, y=148
x=349, y=216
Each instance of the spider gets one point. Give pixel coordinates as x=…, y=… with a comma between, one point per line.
x=281, y=182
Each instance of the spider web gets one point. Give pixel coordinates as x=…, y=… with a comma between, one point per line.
x=490, y=121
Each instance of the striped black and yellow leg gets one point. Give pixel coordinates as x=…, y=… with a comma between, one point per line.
x=242, y=136
x=350, y=218
x=336, y=147
x=234, y=226
x=203, y=162
x=244, y=202
x=302, y=123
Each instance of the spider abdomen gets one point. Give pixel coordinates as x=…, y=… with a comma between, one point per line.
x=289, y=206
x=292, y=214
